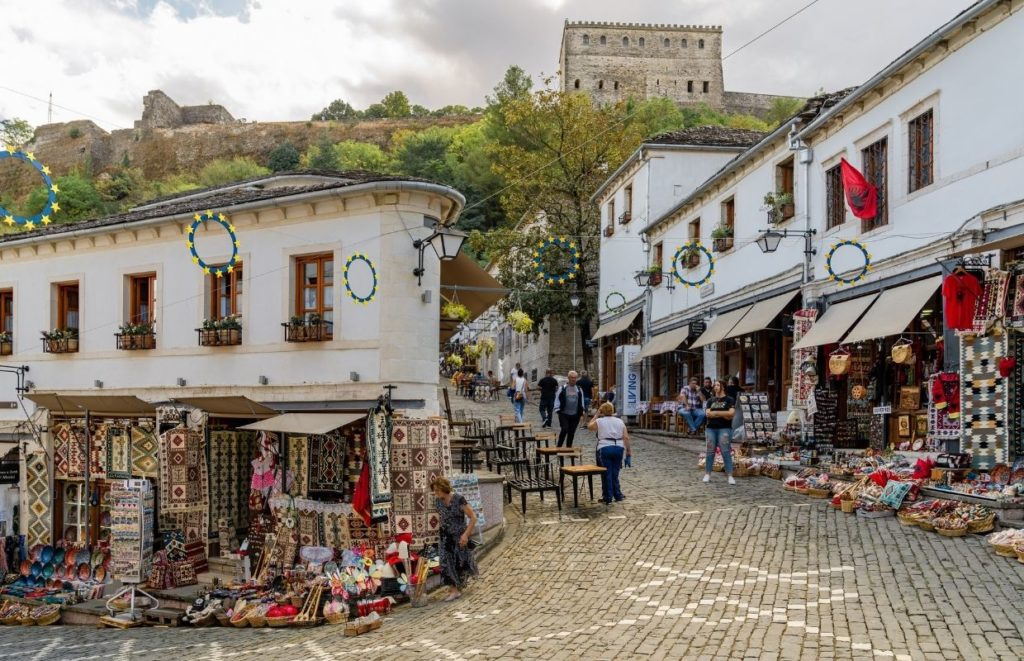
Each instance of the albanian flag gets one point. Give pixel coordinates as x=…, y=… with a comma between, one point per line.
x=860, y=195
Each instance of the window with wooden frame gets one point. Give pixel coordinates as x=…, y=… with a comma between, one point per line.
x=7, y=310
x=656, y=262
x=627, y=203
x=314, y=294
x=610, y=227
x=67, y=306
x=226, y=292
x=784, y=184
x=142, y=298
x=835, y=200
x=921, y=151
x=693, y=231
x=875, y=159
x=729, y=215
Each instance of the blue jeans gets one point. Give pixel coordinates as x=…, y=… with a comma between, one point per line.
x=694, y=418
x=517, y=407
x=611, y=458
x=718, y=438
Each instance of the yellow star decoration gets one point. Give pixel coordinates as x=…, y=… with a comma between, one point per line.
x=30, y=155
x=230, y=268
x=29, y=225
x=572, y=245
x=46, y=169
x=9, y=220
x=237, y=244
x=195, y=217
x=46, y=220
x=221, y=216
x=9, y=148
x=55, y=188
x=206, y=270
x=189, y=244
x=55, y=208
x=562, y=239
x=551, y=281
x=191, y=229
x=195, y=260
x=231, y=228
x=209, y=214
x=220, y=273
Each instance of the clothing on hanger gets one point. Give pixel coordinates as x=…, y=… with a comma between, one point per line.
x=960, y=292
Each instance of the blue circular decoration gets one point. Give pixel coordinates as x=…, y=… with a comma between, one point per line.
x=359, y=257
x=832, y=275
x=43, y=217
x=222, y=220
x=686, y=247
x=616, y=307
x=566, y=245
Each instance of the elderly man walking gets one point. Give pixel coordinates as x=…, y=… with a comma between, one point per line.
x=569, y=405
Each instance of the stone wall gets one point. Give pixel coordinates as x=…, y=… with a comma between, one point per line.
x=159, y=111
x=749, y=103
x=208, y=114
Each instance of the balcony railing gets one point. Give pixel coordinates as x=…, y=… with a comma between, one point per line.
x=7, y=346
x=135, y=341
x=219, y=337
x=721, y=245
x=307, y=331
x=60, y=344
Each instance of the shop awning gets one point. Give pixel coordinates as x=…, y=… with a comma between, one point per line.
x=894, y=310
x=720, y=327
x=616, y=325
x=463, y=279
x=305, y=423
x=113, y=406
x=835, y=322
x=229, y=407
x=664, y=343
x=761, y=315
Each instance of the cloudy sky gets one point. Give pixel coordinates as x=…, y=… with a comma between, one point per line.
x=285, y=59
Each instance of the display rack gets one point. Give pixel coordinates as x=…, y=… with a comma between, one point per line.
x=131, y=525
x=758, y=419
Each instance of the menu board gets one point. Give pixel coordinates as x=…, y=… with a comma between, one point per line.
x=825, y=418
x=131, y=528
x=758, y=419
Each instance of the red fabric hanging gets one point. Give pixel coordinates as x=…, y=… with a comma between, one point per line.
x=960, y=291
x=361, y=496
x=860, y=195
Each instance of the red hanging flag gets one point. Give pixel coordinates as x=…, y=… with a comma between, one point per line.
x=361, y=497
x=860, y=195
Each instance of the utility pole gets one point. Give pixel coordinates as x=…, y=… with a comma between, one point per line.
x=49, y=111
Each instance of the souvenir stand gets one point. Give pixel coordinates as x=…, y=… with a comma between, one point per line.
x=132, y=505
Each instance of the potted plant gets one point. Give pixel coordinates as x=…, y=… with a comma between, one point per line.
x=487, y=345
x=71, y=337
x=229, y=330
x=295, y=329
x=454, y=360
x=136, y=336
x=52, y=340
x=6, y=343
x=520, y=321
x=654, y=271
x=691, y=257
x=779, y=206
x=722, y=238
x=315, y=327
x=455, y=310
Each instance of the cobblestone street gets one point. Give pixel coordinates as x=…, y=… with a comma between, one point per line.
x=680, y=569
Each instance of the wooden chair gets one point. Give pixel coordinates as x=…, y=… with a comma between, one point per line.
x=537, y=477
x=655, y=418
x=504, y=455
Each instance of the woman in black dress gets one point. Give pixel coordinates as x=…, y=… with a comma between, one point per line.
x=457, y=523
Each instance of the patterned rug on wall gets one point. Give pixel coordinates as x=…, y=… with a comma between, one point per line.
x=991, y=305
x=37, y=485
x=184, y=500
x=379, y=441
x=145, y=446
x=1017, y=397
x=298, y=464
x=940, y=427
x=985, y=400
x=802, y=385
x=420, y=451
x=119, y=453
x=61, y=433
x=355, y=450
x=230, y=454
x=327, y=463
x=98, y=451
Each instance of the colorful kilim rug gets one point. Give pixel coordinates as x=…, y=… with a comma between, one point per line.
x=326, y=463
x=119, y=453
x=802, y=386
x=355, y=450
x=98, y=451
x=336, y=533
x=298, y=464
x=984, y=400
x=310, y=528
x=1015, y=317
x=61, y=450
x=379, y=440
x=37, y=483
x=228, y=458
x=991, y=305
x=144, y=452
x=195, y=524
x=939, y=424
x=183, y=481
x=77, y=444
x=1017, y=397
x=420, y=451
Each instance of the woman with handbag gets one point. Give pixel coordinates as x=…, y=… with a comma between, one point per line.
x=456, y=549
x=520, y=393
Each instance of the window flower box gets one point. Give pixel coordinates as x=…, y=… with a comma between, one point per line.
x=60, y=340
x=135, y=337
x=6, y=344
x=226, y=332
x=311, y=328
x=721, y=245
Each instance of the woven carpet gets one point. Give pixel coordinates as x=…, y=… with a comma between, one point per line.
x=298, y=464
x=1017, y=397
x=379, y=441
x=98, y=451
x=939, y=424
x=335, y=530
x=230, y=454
x=991, y=305
x=802, y=386
x=119, y=453
x=420, y=451
x=984, y=400
x=61, y=450
x=326, y=463
x=144, y=452
x=182, y=471
x=355, y=450
x=37, y=484
x=1015, y=316
x=310, y=528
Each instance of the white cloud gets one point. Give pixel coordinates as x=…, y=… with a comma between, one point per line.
x=277, y=60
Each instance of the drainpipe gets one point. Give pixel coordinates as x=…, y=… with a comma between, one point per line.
x=805, y=155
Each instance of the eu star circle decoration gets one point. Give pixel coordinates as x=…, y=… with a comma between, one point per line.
x=618, y=304
x=569, y=247
x=222, y=220
x=359, y=257
x=681, y=252
x=52, y=207
x=860, y=273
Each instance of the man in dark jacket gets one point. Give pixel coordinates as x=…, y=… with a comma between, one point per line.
x=587, y=386
x=569, y=405
x=548, y=387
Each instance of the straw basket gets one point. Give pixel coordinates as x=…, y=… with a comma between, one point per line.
x=341, y=618
x=774, y=473
x=14, y=617
x=741, y=471
x=223, y=618
x=982, y=525
x=908, y=519
x=280, y=621
x=26, y=620
x=1005, y=550
x=818, y=493
x=803, y=491
x=718, y=468
x=1020, y=553
x=926, y=524
x=205, y=621
x=257, y=621
x=848, y=506
x=951, y=532
x=937, y=474
x=240, y=622
x=48, y=619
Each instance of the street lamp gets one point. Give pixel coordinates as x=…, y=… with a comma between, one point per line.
x=574, y=299
x=446, y=244
x=771, y=238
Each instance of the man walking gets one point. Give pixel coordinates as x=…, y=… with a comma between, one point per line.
x=569, y=407
x=692, y=409
x=587, y=387
x=548, y=389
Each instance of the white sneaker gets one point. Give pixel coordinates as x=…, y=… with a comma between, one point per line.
x=707, y=478
x=731, y=481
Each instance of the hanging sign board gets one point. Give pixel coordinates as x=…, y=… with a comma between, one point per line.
x=882, y=410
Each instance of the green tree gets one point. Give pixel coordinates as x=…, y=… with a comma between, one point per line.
x=227, y=171
x=172, y=185
x=352, y=155
x=472, y=166
x=424, y=153
x=656, y=115
x=782, y=109
x=283, y=157
x=321, y=156
x=375, y=111
x=515, y=85
x=122, y=189
x=78, y=199
x=396, y=104
x=15, y=132
x=336, y=110
x=419, y=111
x=453, y=111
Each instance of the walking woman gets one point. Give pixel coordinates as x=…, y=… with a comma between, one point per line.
x=612, y=444
x=520, y=391
x=721, y=408
x=457, y=523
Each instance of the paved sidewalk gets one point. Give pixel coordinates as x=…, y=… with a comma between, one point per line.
x=680, y=570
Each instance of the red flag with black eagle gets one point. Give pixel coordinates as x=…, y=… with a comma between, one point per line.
x=860, y=195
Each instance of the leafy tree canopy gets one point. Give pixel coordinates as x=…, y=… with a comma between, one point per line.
x=15, y=132
x=284, y=157
x=337, y=110
x=226, y=171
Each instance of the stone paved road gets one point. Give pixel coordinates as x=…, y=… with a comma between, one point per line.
x=679, y=570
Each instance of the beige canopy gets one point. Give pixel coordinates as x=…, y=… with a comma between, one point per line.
x=231, y=406
x=305, y=423
x=616, y=325
x=719, y=328
x=761, y=315
x=835, y=322
x=894, y=310
x=114, y=406
x=665, y=342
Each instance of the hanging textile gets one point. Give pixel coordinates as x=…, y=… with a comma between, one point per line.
x=944, y=406
x=145, y=448
x=37, y=484
x=1015, y=314
x=1017, y=396
x=960, y=292
x=184, y=498
x=98, y=451
x=298, y=464
x=230, y=454
x=326, y=463
x=992, y=302
x=984, y=408
x=420, y=451
x=61, y=433
x=378, y=453
x=118, y=453
x=802, y=385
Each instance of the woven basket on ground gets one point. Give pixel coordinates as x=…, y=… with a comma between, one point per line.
x=718, y=468
x=1020, y=553
x=240, y=622
x=223, y=618
x=907, y=519
x=257, y=621
x=951, y=532
x=740, y=471
x=1005, y=550
x=336, y=618
x=803, y=491
x=48, y=619
x=818, y=493
x=982, y=525
x=280, y=621
x=848, y=506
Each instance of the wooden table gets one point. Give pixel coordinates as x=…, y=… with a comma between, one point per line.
x=468, y=448
x=576, y=472
x=561, y=453
x=523, y=440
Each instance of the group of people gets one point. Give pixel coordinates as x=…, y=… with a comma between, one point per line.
x=713, y=405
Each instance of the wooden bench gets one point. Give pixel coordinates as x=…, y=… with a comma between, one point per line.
x=576, y=472
x=533, y=478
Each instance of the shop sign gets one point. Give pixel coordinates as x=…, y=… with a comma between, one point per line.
x=697, y=328
x=8, y=472
x=707, y=290
x=628, y=378
x=882, y=410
